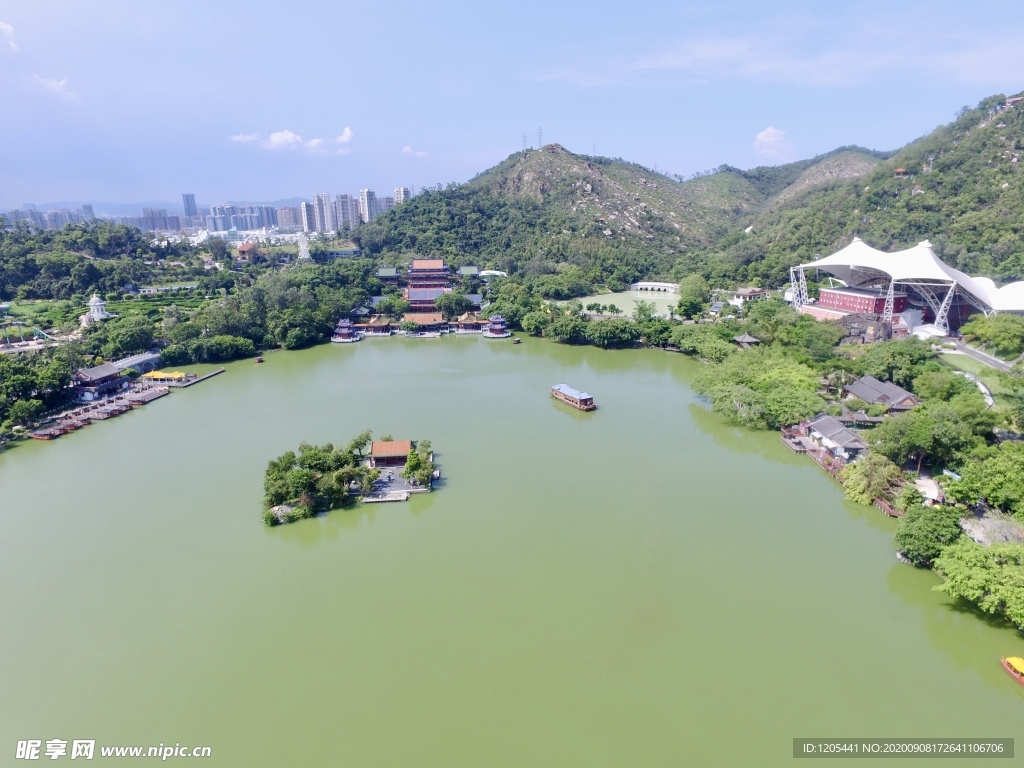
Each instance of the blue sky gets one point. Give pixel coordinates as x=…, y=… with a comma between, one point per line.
x=129, y=101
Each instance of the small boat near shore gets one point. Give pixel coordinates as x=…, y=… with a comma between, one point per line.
x=578, y=400
x=1015, y=666
x=517, y=340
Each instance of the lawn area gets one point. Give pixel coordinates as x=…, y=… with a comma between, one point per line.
x=987, y=375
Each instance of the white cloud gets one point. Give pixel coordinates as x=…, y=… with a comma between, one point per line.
x=59, y=87
x=8, y=33
x=345, y=137
x=800, y=55
x=286, y=139
x=407, y=150
x=283, y=140
x=772, y=144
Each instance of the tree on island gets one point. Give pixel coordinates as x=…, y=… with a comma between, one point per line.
x=419, y=467
x=318, y=477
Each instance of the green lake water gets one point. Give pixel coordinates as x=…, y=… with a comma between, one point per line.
x=641, y=586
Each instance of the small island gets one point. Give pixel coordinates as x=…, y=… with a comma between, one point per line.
x=320, y=478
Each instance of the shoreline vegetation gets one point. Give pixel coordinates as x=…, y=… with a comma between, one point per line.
x=600, y=224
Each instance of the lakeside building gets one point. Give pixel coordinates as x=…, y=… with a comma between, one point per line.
x=426, y=322
x=835, y=437
x=468, y=273
x=422, y=299
x=378, y=325
x=467, y=322
x=746, y=341
x=389, y=453
x=345, y=332
x=914, y=278
x=497, y=328
x=875, y=392
x=89, y=384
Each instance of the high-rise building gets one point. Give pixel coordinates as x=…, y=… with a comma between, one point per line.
x=384, y=204
x=347, y=211
x=401, y=195
x=87, y=211
x=287, y=217
x=367, y=205
x=189, y=200
x=323, y=208
x=308, y=214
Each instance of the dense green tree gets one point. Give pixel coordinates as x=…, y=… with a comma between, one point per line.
x=1004, y=333
x=990, y=577
x=899, y=361
x=761, y=387
x=923, y=532
x=871, y=477
x=451, y=305
x=995, y=475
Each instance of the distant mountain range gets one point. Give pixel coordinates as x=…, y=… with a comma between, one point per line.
x=543, y=211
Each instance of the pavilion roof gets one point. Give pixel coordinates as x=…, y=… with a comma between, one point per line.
x=423, y=318
x=427, y=264
x=390, y=448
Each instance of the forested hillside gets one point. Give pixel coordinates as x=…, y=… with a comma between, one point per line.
x=548, y=211
x=79, y=259
x=961, y=187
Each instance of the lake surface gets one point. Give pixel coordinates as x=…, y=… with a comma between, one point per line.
x=644, y=585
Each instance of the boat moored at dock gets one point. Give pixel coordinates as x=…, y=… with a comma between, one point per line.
x=574, y=397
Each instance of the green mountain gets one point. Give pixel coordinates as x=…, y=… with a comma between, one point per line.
x=548, y=211
x=961, y=187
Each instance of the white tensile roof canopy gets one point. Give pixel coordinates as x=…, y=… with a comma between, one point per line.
x=858, y=264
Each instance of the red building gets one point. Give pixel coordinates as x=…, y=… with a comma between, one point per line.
x=390, y=453
x=497, y=328
x=866, y=300
x=345, y=332
x=428, y=273
x=422, y=299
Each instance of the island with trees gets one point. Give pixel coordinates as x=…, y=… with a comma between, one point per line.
x=319, y=478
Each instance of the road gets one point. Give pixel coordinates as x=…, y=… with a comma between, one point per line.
x=981, y=357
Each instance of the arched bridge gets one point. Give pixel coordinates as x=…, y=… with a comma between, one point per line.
x=647, y=285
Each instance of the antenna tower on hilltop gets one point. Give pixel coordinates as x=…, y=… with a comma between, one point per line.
x=524, y=142
x=540, y=138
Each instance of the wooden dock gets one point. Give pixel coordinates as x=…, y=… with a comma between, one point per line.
x=190, y=382
x=389, y=496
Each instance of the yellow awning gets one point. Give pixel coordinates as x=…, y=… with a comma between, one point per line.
x=1017, y=663
x=164, y=375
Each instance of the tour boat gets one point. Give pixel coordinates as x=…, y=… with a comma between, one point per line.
x=517, y=340
x=579, y=400
x=1015, y=666
x=259, y=359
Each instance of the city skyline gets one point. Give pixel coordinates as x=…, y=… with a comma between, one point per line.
x=114, y=102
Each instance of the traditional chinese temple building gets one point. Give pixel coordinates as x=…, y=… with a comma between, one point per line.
x=96, y=383
x=378, y=325
x=346, y=332
x=422, y=299
x=497, y=328
x=467, y=322
x=426, y=322
x=427, y=273
x=388, y=275
x=390, y=453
